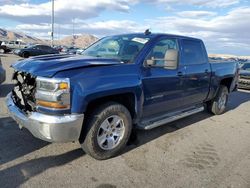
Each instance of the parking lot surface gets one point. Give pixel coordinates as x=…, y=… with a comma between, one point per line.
x=198, y=151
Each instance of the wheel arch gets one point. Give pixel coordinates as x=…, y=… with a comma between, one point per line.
x=128, y=99
x=227, y=82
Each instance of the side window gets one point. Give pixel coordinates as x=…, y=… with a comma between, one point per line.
x=193, y=52
x=45, y=48
x=160, y=49
x=37, y=47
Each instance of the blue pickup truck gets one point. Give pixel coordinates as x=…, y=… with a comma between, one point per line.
x=119, y=83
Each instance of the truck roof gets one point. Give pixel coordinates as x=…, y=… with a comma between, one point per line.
x=155, y=35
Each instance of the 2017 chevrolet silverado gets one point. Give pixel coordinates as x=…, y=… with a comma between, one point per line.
x=120, y=82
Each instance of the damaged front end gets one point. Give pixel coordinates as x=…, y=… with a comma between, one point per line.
x=31, y=93
x=23, y=94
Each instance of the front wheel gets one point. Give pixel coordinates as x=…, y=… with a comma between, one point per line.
x=107, y=131
x=218, y=105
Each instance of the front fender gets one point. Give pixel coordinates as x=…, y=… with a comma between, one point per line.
x=86, y=90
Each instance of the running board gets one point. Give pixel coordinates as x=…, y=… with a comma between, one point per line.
x=168, y=119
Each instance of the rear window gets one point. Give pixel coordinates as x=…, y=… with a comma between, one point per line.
x=193, y=52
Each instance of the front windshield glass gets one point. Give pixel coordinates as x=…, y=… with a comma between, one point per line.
x=246, y=66
x=122, y=48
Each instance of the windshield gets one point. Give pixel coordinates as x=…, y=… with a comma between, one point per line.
x=246, y=66
x=122, y=48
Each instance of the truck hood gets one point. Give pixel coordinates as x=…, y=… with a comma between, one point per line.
x=49, y=65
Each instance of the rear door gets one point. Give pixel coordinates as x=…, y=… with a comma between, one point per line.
x=163, y=88
x=196, y=71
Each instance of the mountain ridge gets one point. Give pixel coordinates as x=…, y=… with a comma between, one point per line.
x=82, y=40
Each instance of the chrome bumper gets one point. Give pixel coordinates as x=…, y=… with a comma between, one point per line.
x=50, y=128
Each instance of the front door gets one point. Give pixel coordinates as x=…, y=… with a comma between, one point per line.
x=162, y=87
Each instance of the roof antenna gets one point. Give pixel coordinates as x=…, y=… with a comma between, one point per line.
x=147, y=32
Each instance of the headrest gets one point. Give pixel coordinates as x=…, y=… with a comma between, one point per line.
x=171, y=58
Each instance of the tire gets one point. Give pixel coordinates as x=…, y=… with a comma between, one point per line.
x=26, y=55
x=102, y=138
x=218, y=105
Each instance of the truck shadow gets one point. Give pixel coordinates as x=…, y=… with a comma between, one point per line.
x=238, y=98
x=5, y=89
x=22, y=172
x=15, y=143
x=141, y=137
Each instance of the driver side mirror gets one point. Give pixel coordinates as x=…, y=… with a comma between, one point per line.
x=150, y=62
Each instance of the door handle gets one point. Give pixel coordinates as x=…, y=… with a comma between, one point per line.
x=179, y=73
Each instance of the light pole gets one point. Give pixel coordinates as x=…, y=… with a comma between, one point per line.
x=73, y=32
x=52, y=23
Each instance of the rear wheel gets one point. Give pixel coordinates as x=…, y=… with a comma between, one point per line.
x=107, y=131
x=26, y=54
x=218, y=105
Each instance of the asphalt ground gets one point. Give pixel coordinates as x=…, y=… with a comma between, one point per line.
x=198, y=151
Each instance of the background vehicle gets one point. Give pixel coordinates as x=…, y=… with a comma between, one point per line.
x=69, y=50
x=2, y=73
x=244, y=79
x=121, y=82
x=3, y=48
x=80, y=51
x=35, y=50
x=15, y=44
x=58, y=48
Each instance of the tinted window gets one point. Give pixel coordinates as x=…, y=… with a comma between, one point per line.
x=45, y=48
x=35, y=47
x=159, y=50
x=193, y=52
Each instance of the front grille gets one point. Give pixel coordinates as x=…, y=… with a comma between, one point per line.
x=23, y=93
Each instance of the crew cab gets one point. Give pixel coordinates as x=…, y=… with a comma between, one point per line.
x=119, y=83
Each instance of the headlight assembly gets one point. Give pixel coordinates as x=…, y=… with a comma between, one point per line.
x=54, y=84
x=53, y=93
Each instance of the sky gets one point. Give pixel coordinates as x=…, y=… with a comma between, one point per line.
x=224, y=25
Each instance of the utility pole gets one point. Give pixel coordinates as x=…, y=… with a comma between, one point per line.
x=52, y=23
x=73, y=32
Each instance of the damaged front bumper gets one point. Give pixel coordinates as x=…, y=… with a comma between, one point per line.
x=50, y=128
